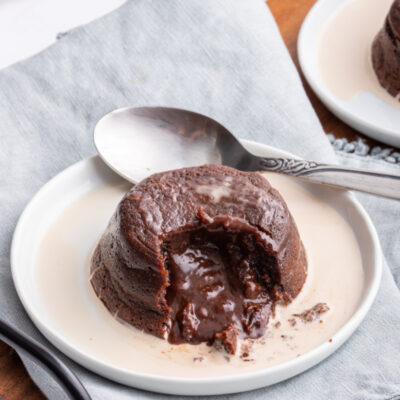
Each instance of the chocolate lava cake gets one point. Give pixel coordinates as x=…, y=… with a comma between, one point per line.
x=199, y=254
x=386, y=52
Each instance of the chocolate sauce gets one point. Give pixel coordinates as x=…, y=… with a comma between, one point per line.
x=219, y=289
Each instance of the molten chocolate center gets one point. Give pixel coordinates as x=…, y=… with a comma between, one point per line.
x=220, y=287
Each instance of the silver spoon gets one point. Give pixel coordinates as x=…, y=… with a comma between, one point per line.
x=137, y=142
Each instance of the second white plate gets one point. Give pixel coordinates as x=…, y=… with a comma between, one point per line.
x=365, y=112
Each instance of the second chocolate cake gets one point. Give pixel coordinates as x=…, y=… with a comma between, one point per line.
x=386, y=52
x=199, y=254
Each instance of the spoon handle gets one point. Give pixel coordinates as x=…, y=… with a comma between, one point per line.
x=377, y=183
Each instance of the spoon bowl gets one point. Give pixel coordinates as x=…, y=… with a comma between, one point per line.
x=137, y=142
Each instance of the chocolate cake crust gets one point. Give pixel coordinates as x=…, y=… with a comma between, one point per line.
x=386, y=52
x=199, y=254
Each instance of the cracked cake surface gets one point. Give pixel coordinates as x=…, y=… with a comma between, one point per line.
x=199, y=254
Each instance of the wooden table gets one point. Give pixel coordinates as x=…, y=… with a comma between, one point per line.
x=15, y=384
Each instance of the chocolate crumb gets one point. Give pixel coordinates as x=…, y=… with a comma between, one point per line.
x=246, y=350
x=313, y=313
x=227, y=339
x=198, y=359
x=292, y=321
x=277, y=324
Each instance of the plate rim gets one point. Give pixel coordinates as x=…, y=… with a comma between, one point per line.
x=232, y=382
x=370, y=129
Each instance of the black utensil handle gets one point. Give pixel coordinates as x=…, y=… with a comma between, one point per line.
x=381, y=184
x=65, y=377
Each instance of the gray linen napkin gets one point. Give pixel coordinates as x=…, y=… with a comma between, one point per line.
x=223, y=58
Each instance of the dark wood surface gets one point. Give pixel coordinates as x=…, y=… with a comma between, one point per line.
x=15, y=383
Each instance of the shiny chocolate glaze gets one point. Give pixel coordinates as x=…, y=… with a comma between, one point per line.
x=219, y=280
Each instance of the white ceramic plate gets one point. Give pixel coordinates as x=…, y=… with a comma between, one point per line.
x=366, y=112
x=88, y=174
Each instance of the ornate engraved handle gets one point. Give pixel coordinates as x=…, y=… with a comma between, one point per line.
x=377, y=183
x=288, y=165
